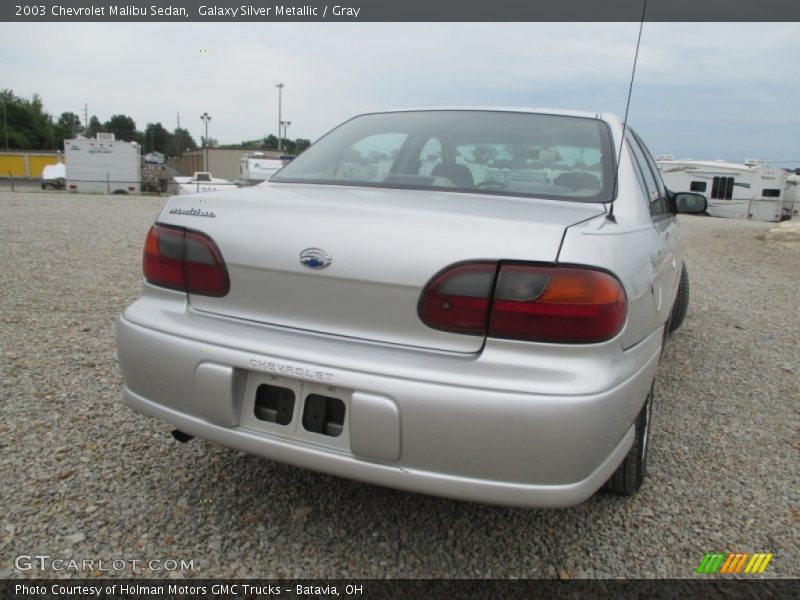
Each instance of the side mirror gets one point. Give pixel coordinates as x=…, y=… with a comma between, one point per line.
x=690, y=203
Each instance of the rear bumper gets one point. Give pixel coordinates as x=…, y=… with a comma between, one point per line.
x=483, y=443
x=426, y=482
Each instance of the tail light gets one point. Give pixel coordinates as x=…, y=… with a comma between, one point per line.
x=458, y=299
x=183, y=260
x=526, y=302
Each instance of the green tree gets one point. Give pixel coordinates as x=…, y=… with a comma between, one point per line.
x=94, y=127
x=270, y=142
x=301, y=144
x=182, y=141
x=123, y=127
x=41, y=123
x=66, y=128
x=25, y=124
x=156, y=138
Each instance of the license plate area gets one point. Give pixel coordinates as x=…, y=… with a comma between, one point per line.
x=324, y=414
x=274, y=404
x=298, y=410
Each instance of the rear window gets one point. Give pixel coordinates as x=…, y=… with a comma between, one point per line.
x=486, y=152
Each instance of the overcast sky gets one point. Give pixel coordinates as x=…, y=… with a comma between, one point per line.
x=702, y=90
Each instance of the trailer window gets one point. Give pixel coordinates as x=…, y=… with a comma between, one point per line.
x=771, y=193
x=722, y=188
x=697, y=186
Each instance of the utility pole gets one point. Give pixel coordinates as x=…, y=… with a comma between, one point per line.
x=280, y=122
x=178, y=152
x=285, y=127
x=5, y=119
x=85, y=117
x=205, y=117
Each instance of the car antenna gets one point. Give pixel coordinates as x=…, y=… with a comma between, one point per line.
x=610, y=215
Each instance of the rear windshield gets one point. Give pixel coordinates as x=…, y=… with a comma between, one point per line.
x=486, y=152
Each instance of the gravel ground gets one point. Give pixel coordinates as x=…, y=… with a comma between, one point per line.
x=84, y=477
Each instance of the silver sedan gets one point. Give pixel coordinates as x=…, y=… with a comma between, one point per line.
x=464, y=302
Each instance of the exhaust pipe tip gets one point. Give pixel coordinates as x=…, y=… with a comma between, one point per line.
x=181, y=436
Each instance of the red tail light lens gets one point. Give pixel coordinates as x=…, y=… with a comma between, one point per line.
x=184, y=260
x=163, y=257
x=529, y=302
x=557, y=304
x=458, y=299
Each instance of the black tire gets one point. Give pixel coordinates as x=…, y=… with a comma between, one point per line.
x=629, y=476
x=681, y=302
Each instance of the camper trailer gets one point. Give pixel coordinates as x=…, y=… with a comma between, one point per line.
x=257, y=167
x=102, y=165
x=749, y=190
x=791, y=196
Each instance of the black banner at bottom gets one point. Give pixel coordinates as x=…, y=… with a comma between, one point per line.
x=368, y=589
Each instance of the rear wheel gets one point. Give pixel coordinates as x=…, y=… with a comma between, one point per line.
x=628, y=477
x=681, y=302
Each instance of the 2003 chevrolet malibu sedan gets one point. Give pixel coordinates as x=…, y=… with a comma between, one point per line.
x=468, y=303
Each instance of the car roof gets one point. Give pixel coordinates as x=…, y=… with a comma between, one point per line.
x=524, y=109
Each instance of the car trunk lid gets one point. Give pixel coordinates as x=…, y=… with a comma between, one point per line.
x=384, y=246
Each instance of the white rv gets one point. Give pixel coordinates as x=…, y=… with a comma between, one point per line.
x=102, y=165
x=749, y=190
x=791, y=196
x=257, y=167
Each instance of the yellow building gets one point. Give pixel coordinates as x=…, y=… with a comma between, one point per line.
x=26, y=164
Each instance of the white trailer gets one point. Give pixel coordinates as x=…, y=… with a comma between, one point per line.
x=257, y=167
x=791, y=195
x=749, y=190
x=102, y=165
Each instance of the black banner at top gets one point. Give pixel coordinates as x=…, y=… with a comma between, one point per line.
x=276, y=11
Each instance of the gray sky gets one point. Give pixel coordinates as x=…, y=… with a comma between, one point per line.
x=702, y=90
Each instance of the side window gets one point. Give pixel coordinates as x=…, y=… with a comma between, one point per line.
x=662, y=189
x=639, y=174
x=722, y=188
x=656, y=191
x=643, y=171
x=698, y=186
